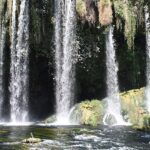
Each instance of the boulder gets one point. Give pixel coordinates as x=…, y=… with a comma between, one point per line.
x=134, y=110
x=88, y=112
x=50, y=119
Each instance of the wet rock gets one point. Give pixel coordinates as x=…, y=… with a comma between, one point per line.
x=32, y=140
x=110, y=119
x=91, y=11
x=134, y=110
x=92, y=112
x=86, y=10
x=88, y=112
x=50, y=119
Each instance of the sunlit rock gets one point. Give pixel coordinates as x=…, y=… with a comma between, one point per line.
x=134, y=109
x=105, y=12
x=31, y=140
x=88, y=112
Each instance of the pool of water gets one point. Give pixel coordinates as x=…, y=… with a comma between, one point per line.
x=74, y=138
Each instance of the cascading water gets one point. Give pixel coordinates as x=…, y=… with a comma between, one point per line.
x=58, y=52
x=64, y=57
x=19, y=64
x=2, y=45
x=113, y=101
x=147, y=29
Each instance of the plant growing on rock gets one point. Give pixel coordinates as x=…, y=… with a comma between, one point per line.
x=81, y=8
x=105, y=12
x=125, y=15
x=88, y=112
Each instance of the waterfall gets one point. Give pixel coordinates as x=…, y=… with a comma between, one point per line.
x=58, y=51
x=147, y=29
x=64, y=57
x=2, y=45
x=19, y=63
x=113, y=100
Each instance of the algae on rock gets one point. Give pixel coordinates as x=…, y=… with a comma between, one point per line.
x=134, y=110
x=81, y=8
x=125, y=11
x=89, y=112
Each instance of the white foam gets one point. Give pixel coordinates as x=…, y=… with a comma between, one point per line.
x=16, y=123
x=87, y=137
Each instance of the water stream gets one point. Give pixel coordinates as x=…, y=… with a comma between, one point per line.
x=2, y=46
x=147, y=30
x=64, y=57
x=19, y=64
x=113, y=100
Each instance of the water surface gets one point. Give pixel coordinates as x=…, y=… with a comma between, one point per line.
x=74, y=138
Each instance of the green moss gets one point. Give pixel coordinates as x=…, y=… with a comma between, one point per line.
x=81, y=8
x=125, y=11
x=143, y=123
x=133, y=110
x=105, y=2
x=89, y=112
x=50, y=119
x=133, y=106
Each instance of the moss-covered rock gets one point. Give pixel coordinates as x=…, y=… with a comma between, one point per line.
x=89, y=112
x=134, y=110
x=81, y=8
x=50, y=119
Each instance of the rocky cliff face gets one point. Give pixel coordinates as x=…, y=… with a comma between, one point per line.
x=93, y=18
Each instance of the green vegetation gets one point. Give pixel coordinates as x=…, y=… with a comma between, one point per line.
x=126, y=12
x=133, y=111
x=133, y=108
x=81, y=8
x=89, y=112
x=129, y=33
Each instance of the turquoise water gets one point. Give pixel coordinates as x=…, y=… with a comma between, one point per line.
x=74, y=138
